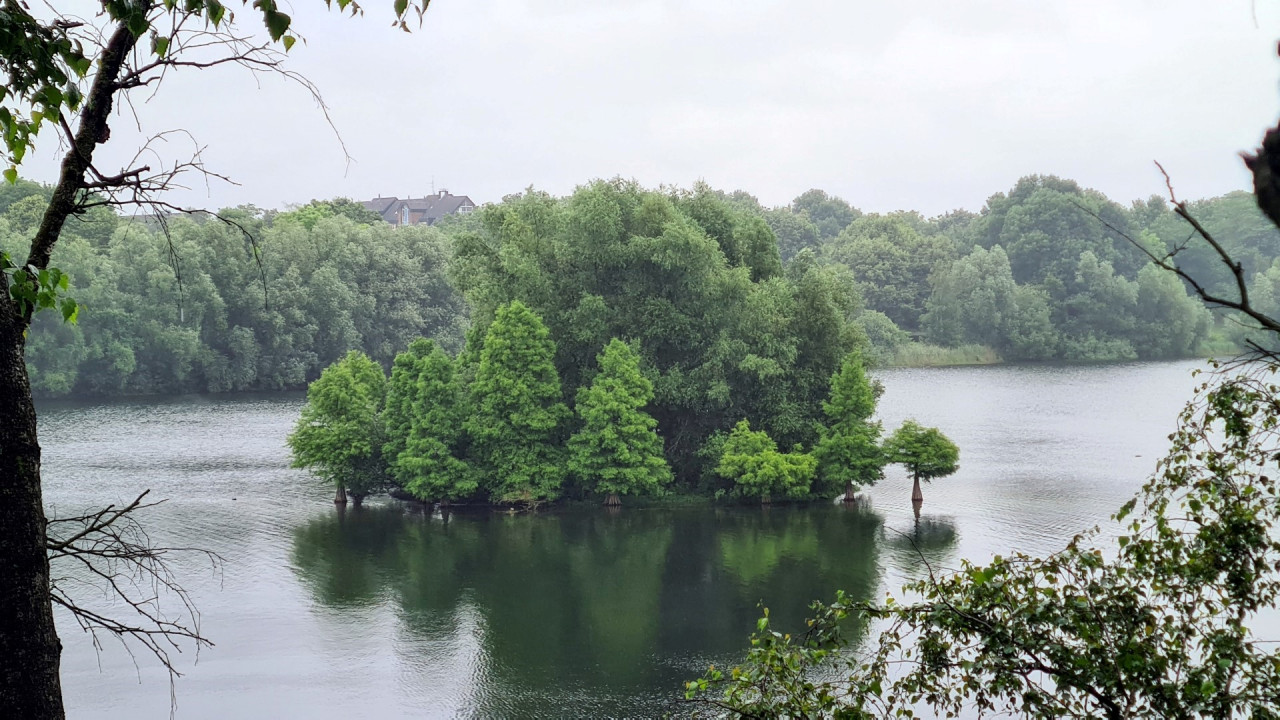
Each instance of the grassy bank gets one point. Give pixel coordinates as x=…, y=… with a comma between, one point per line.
x=918, y=354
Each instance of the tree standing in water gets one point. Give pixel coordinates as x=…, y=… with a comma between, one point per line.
x=339, y=433
x=428, y=467
x=618, y=452
x=516, y=427
x=926, y=453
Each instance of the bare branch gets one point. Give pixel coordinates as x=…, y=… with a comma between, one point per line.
x=110, y=553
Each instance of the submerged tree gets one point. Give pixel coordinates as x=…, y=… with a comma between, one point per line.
x=849, y=455
x=517, y=425
x=339, y=433
x=618, y=452
x=926, y=453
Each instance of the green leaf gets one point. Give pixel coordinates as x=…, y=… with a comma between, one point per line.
x=70, y=310
x=159, y=45
x=277, y=23
x=288, y=41
x=11, y=175
x=401, y=6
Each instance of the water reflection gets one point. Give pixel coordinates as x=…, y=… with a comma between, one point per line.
x=582, y=611
x=927, y=545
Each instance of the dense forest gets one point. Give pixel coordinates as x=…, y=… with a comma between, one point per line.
x=1043, y=272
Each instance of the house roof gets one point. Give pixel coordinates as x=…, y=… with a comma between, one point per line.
x=431, y=207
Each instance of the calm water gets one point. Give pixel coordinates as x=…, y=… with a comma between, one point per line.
x=385, y=613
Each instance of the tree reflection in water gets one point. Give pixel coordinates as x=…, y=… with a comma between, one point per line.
x=583, y=611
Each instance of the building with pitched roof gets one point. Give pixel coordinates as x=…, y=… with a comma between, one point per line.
x=420, y=211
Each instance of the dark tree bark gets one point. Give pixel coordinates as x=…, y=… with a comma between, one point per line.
x=29, y=646
x=30, y=686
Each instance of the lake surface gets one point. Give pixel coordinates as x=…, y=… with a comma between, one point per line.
x=385, y=612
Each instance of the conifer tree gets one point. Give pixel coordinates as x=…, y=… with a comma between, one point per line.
x=428, y=466
x=401, y=390
x=618, y=452
x=849, y=454
x=516, y=428
x=339, y=433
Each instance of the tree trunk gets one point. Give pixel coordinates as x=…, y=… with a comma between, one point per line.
x=850, y=492
x=29, y=647
x=613, y=500
x=341, y=497
x=765, y=499
x=357, y=500
x=916, y=495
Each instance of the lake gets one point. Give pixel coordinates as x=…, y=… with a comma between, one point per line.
x=385, y=612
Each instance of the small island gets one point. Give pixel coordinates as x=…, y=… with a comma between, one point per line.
x=635, y=344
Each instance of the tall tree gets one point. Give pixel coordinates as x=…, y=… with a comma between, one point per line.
x=517, y=425
x=339, y=435
x=402, y=394
x=925, y=452
x=849, y=454
x=428, y=466
x=618, y=452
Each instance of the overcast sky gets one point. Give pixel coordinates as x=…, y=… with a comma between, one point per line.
x=928, y=105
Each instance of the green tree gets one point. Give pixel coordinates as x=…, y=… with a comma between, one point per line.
x=617, y=451
x=402, y=393
x=828, y=213
x=339, y=434
x=719, y=343
x=516, y=428
x=891, y=262
x=849, y=455
x=925, y=452
x=752, y=461
x=429, y=466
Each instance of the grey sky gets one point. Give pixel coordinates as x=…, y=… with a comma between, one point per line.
x=927, y=105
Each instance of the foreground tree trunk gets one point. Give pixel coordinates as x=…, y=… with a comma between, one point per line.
x=850, y=492
x=916, y=495
x=613, y=500
x=341, y=497
x=29, y=645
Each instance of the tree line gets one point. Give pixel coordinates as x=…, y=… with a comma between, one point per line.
x=1046, y=271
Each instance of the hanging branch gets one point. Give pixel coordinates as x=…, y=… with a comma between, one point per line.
x=109, y=552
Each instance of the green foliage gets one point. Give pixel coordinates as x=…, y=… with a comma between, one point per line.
x=891, y=262
x=428, y=466
x=516, y=428
x=339, y=433
x=848, y=455
x=313, y=212
x=188, y=313
x=617, y=451
x=1157, y=622
x=751, y=460
x=884, y=338
x=692, y=279
x=828, y=214
x=925, y=452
